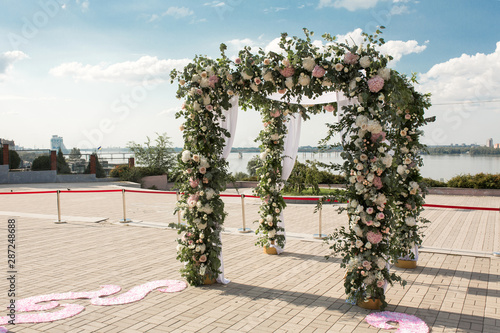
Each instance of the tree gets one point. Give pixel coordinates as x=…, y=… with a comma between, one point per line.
x=62, y=165
x=75, y=154
x=253, y=165
x=100, y=173
x=14, y=159
x=41, y=163
x=160, y=156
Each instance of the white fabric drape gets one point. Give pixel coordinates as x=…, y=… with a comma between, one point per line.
x=291, y=147
x=228, y=123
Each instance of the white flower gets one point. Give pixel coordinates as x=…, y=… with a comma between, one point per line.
x=363, y=157
x=365, y=61
x=359, y=243
x=268, y=76
x=269, y=218
x=196, y=78
x=360, y=166
x=186, y=156
x=387, y=160
x=202, y=226
x=275, y=136
x=414, y=185
x=404, y=150
x=271, y=233
x=359, y=187
x=204, y=83
x=209, y=193
x=203, y=247
x=353, y=203
x=245, y=76
x=410, y=221
x=254, y=87
x=361, y=120
x=327, y=83
x=203, y=268
x=381, y=199
x=204, y=163
x=374, y=126
x=197, y=248
x=370, y=177
x=196, y=106
x=368, y=245
x=358, y=230
x=308, y=63
x=263, y=156
x=401, y=169
x=289, y=82
x=304, y=80
x=384, y=73
x=381, y=263
x=339, y=67
x=206, y=99
x=196, y=157
x=179, y=247
x=352, y=85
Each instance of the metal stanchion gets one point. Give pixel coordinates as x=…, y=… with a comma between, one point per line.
x=125, y=219
x=244, y=229
x=59, y=208
x=178, y=212
x=319, y=235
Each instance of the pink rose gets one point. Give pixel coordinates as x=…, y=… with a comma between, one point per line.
x=287, y=71
x=237, y=61
x=380, y=216
x=376, y=136
x=209, y=107
x=377, y=182
x=192, y=200
x=203, y=258
x=267, y=61
x=318, y=71
x=351, y=58
x=375, y=84
x=203, y=170
x=275, y=114
x=199, y=91
x=367, y=265
x=374, y=237
x=407, y=116
x=194, y=182
x=257, y=80
x=213, y=80
x=205, y=180
x=329, y=108
x=380, y=283
x=369, y=210
x=369, y=222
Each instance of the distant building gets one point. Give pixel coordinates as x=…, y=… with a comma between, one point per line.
x=489, y=143
x=11, y=143
x=497, y=145
x=56, y=143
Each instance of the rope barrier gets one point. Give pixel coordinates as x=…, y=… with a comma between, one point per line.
x=228, y=196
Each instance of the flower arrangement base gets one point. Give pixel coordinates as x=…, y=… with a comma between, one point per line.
x=406, y=264
x=208, y=280
x=270, y=250
x=371, y=304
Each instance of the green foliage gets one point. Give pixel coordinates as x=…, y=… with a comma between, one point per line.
x=307, y=175
x=14, y=159
x=62, y=165
x=433, y=183
x=75, y=154
x=158, y=155
x=253, y=165
x=120, y=171
x=100, y=173
x=457, y=150
x=478, y=181
x=239, y=176
x=41, y=163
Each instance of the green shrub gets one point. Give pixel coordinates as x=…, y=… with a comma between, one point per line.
x=100, y=173
x=62, y=165
x=119, y=171
x=478, y=181
x=239, y=176
x=41, y=163
x=14, y=159
x=434, y=183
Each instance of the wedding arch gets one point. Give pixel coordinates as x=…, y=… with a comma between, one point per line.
x=379, y=119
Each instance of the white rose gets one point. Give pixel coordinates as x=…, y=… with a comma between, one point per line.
x=196, y=78
x=359, y=243
x=365, y=61
x=352, y=85
x=271, y=233
x=197, y=248
x=245, y=76
x=254, y=87
x=381, y=263
x=308, y=63
x=268, y=76
x=358, y=230
x=196, y=106
x=186, y=156
x=401, y=169
x=404, y=150
x=370, y=177
x=202, y=226
x=361, y=120
x=304, y=80
x=204, y=83
x=414, y=185
x=359, y=187
x=384, y=73
x=263, y=156
x=206, y=99
x=368, y=245
x=204, y=163
x=269, y=218
x=374, y=126
x=275, y=137
x=203, y=247
x=410, y=221
x=289, y=82
x=387, y=160
x=327, y=83
x=179, y=247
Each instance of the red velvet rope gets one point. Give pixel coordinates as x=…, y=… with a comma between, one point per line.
x=231, y=196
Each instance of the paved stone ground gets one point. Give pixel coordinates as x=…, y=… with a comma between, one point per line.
x=455, y=288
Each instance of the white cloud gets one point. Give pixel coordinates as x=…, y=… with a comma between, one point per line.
x=146, y=69
x=215, y=4
x=350, y=5
x=466, y=78
x=84, y=5
x=398, y=10
x=398, y=48
x=178, y=12
x=7, y=60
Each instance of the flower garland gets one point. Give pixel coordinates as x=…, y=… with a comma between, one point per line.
x=409, y=199
x=270, y=184
x=302, y=69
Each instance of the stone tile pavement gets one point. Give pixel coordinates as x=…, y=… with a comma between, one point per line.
x=455, y=288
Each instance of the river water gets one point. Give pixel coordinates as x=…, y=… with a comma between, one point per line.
x=435, y=166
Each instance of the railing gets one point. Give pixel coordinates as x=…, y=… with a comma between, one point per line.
x=244, y=229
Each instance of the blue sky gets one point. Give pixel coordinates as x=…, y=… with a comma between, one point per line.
x=76, y=68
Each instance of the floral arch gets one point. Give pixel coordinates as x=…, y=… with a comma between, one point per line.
x=380, y=115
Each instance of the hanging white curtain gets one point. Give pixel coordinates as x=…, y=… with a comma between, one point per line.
x=228, y=123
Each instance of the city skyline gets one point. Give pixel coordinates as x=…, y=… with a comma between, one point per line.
x=96, y=73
